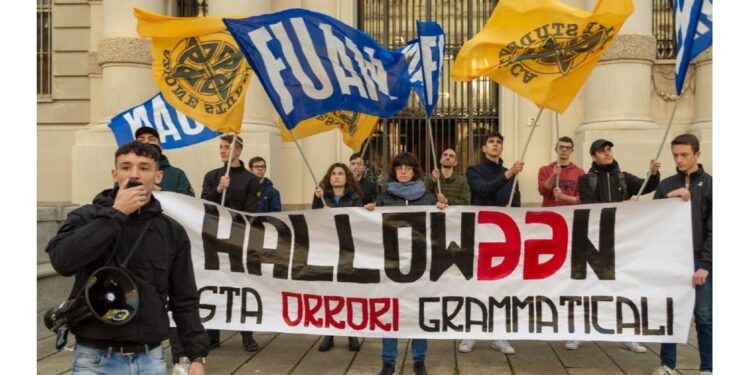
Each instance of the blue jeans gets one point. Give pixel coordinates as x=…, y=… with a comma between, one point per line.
x=703, y=328
x=389, y=350
x=91, y=361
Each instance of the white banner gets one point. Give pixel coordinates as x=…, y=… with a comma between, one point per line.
x=612, y=272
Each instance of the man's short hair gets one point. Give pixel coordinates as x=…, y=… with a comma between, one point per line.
x=687, y=139
x=565, y=139
x=355, y=155
x=228, y=138
x=254, y=160
x=490, y=135
x=141, y=149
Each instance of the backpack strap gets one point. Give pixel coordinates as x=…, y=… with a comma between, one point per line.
x=624, y=186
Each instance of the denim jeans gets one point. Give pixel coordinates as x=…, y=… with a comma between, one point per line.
x=389, y=350
x=703, y=327
x=91, y=361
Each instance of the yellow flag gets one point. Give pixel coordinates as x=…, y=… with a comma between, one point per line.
x=199, y=68
x=354, y=126
x=541, y=49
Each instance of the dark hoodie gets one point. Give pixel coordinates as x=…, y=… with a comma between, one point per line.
x=244, y=189
x=608, y=187
x=701, y=201
x=174, y=178
x=488, y=184
x=161, y=267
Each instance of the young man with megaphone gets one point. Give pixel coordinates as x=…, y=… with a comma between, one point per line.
x=124, y=232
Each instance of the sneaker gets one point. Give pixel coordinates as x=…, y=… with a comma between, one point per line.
x=466, y=345
x=249, y=344
x=419, y=368
x=387, y=369
x=572, y=344
x=663, y=370
x=503, y=346
x=705, y=373
x=326, y=344
x=634, y=346
x=354, y=344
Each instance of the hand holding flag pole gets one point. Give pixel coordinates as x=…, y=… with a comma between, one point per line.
x=694, y=34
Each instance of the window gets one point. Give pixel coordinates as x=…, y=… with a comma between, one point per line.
x=192, y=8
x=663, y=25
x=43, y=48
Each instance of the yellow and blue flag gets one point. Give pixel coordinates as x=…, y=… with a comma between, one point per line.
x=542, y=50
x=355, y=127
x=198, y=67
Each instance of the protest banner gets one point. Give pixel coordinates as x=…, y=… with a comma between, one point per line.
x=613, y=272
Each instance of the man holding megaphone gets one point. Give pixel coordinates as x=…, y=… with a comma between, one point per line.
x=128, y=259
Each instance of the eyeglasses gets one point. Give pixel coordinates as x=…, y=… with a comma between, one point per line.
x=405, y=168
x=259, y=167
x=564, y=148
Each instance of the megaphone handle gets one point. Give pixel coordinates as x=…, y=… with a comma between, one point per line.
x=62, y=337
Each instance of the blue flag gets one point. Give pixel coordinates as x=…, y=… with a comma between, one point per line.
x=311, y=64
x=175, y=129
x=431, y=40
x=694, y=32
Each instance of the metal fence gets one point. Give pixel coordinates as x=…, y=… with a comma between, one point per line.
x=663, y=26
x=43, y=48
x=465, y=111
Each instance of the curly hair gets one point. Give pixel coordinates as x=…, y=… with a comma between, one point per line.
x=351, y=183
x=406, y=158
x=140, y=149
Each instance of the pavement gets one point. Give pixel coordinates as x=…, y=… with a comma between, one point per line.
x=298, y=354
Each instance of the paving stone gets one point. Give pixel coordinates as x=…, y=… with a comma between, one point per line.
x=587, y=356
x=280, y=356
x=440, y=355
x=368, y=360
x=334, y=361
x=483, y=360
x=535, y=357
x=630, y=362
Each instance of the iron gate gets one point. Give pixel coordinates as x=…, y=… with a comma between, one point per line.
x=465, y=111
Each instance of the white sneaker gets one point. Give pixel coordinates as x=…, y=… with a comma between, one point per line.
x=663, y=370
x=503, y=346
x=634, y=346
x=572, y=344
x=705, y=373
x=466, y=345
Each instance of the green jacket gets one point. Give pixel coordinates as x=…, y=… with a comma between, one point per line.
x=455, y=188
x=174, y=179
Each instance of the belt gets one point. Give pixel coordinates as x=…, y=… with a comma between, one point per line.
x=124, y=348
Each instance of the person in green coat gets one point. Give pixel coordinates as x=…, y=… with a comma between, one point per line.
x=175, y=178
x=455, y=189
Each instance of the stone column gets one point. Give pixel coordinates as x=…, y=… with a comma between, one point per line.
x=702, y=125
x=617, y=96
x=125, y=62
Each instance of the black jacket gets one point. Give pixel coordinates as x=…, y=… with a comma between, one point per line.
x=349, y=199
x=701, y=202
x=369, y=192
x=609, y=188
x=161, y=267
x=244, y=189
x=488, y=184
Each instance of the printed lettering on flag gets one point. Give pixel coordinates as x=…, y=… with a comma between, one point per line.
x=175, y=128
x=431, y=39
x=310, y=64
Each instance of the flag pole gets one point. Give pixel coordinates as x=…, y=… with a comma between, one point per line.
x=658, y=151
x=557, y=140
x=523, y=155
x=229, y=165
x=315, y=180
x=434, y=154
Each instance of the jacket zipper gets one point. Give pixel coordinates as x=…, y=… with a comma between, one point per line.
x=609, y=189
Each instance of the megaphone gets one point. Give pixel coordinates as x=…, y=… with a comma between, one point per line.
x=110, y=296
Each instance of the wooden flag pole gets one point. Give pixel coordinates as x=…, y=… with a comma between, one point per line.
x=658, y=151
x=523, y=155
x=229, y=165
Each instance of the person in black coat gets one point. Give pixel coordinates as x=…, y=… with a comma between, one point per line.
x=338, y=189
x=491, y=182
x=405, y=188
